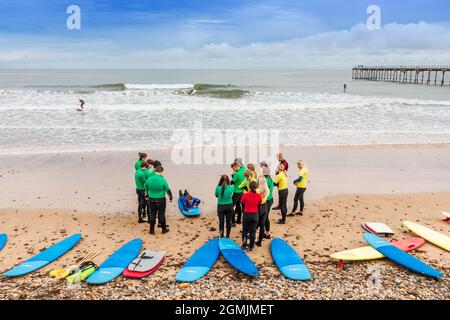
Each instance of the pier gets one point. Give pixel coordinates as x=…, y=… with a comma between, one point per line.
x=428, y=75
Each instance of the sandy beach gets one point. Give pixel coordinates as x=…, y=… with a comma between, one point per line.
x=46, y=197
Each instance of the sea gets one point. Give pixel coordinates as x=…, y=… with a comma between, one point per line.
x=141, y=109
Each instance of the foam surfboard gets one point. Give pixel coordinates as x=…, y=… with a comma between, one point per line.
x=145, y=264
x=380, y=229
x=288, y=261
x=200, y=263
x=237, y=257
x=3, y=240
x=369, y=253
x=116, y=264
x=193, y=212
x=402, y=258
x=446, y=216
x=430, y=235
x=45, y=257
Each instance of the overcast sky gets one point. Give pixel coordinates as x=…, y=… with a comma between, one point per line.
x=222, y=34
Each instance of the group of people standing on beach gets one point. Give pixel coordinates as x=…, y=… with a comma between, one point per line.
x=244, y=198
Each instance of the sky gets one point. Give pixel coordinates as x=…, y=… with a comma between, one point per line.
x=228, y=34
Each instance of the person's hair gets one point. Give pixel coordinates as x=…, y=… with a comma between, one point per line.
x=150, y=162
x=142, y=155
x=144, y=164
x=248, y=173
x=262, y=185
x=264, y=164
x=302, y=163
x=251, y=167
x=157, y=163
x=253, y=186
x=238, y=160
x=266, y=171
x=189, y=198
x=224, y=181
x=159, y=169
x=280, y=156
x=234, y=164
x=281, y=168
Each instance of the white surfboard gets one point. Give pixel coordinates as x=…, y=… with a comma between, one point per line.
x=377, y=228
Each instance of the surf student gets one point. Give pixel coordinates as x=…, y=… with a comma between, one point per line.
x=81, y=105
x=285, y=164
x=252, y=169
x=237, y=180
x=281, y=183
x=269, y=202
x=156, y=188
x=345, y=87
x=263, y=190
x=188, y=201
x=142, y=157
x=245, y=185
x=140, y=177
x=301, y=183
x=262, y=166
x=251, y=202
x=224, y=195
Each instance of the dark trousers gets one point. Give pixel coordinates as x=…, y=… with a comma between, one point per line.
x=225, y=213
x=262, y=220
x=269, y=206
x=249, y=225
x=141, y=203
x=157, y=209
x=282, y=198
x=237, y=208
x=299, y=193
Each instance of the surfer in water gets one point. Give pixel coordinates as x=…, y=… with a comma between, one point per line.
x=81, y=108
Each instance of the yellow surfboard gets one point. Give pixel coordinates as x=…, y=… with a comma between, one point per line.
x=358, y=254
x=432, y=236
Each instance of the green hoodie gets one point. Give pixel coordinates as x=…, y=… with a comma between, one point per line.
x=238, y=178
x=270, y=186
x=227, y=197
x=140, y=177
x=137, y=165
x=156, y=186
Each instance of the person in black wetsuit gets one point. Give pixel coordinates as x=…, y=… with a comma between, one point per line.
x=81, y=104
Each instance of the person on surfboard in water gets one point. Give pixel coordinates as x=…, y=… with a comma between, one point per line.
x=81, y=108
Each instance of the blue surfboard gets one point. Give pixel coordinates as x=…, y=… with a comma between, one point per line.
x=402, y=258
x=288, y=261
x=116, y=264
x=200, y=262
x=193, y=212
x=45, y=257
x=3, y=239
x=237, y=257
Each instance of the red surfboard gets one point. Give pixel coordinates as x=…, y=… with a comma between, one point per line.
x=408, y=244
x=145, y=264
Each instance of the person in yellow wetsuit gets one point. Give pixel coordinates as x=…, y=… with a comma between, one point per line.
x=281, y=182
x=301, y=182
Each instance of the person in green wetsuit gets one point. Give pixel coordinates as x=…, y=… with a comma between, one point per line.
x=140, y=177
x=269, y=202
x=156, y=188
x=237, y=180
x=224, y=195
x=142, y=158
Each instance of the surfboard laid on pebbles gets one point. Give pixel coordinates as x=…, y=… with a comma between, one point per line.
x=193, y=212
x=3, y=240
x=45, y=257
x=145, y=264
x=116, y=264
x=288, y=261
x=200, y=263
x=369, y=253
x=436, y=238
x=235, y=256
x=377, y=228
x=400, y=257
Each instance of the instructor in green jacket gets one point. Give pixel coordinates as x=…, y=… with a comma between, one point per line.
x=156, y=188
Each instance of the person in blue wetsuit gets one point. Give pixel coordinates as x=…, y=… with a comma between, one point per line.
x=189, y=202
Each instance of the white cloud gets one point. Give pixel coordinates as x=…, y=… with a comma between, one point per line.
x=421, y=43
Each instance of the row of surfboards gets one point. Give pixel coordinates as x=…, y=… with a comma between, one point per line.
x=128, y=262
x=397, y=250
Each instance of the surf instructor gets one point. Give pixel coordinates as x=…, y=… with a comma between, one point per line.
x=156, y=188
